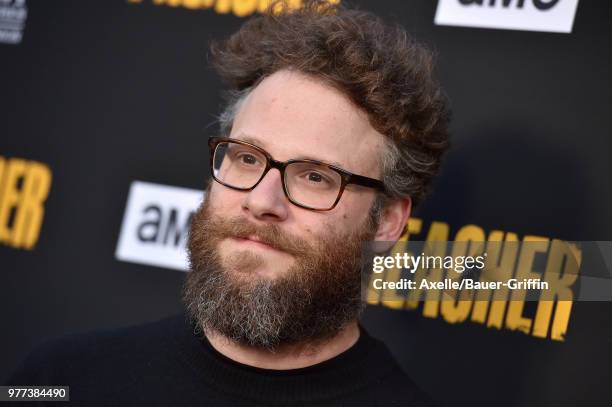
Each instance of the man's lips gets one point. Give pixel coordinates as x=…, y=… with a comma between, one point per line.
x=253, y=241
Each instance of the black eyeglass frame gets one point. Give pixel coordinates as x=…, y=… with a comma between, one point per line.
x=345, y=176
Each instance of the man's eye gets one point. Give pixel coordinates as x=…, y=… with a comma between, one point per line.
x=315, y=177
x=318, y=179
x=248, y=159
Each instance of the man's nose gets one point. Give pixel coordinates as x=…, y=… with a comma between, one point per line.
x=267, y=201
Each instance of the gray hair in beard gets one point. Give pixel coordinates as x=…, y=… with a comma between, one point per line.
x=312, y=301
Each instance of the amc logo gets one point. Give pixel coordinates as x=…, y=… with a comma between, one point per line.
x=156, y=225
x=539, y=4
x=527, y=15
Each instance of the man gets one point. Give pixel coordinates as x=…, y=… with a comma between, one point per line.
x=333, y=130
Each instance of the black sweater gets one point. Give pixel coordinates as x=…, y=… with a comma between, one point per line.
x=165, y=364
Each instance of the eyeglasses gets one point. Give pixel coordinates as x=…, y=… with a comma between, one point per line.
x=309, y=184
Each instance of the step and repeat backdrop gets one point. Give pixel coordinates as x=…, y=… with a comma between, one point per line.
x=105, y=112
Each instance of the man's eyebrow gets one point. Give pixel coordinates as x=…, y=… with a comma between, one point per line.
x=252, y=140
x=259, y=143
x=307, y=157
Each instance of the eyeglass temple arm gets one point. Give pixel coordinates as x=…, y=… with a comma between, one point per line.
x=366, y=182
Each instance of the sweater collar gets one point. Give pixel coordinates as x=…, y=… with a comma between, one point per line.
x=353, y=369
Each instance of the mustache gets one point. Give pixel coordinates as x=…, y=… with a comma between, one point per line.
x=272, y=235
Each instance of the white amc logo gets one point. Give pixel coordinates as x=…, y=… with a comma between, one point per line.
x=156, y=224
x=527, y=15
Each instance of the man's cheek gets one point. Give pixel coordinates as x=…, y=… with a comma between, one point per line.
x=226, y=201
x=217, y=193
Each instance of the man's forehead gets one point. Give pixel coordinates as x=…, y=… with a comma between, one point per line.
x=293, y=116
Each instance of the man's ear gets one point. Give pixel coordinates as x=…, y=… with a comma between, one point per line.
x=392, y=222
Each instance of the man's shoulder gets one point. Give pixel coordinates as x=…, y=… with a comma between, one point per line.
x=107, y=352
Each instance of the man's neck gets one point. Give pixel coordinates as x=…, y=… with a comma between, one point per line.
x=286, y=356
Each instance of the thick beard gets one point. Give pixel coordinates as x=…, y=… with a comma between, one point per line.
x=312, y=301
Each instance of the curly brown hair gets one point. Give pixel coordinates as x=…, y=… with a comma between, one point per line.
x=379, y=67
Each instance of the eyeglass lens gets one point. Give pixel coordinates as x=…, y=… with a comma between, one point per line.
x=309, y=184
